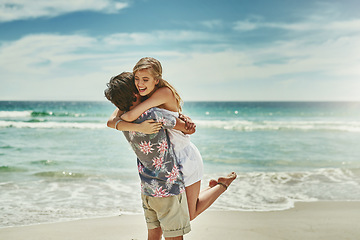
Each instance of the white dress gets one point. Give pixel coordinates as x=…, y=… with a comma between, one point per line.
x=187, y=155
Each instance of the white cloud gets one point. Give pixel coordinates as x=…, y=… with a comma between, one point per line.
x=45, y=53
x=63, y=64
x=310, y=24
x=160, y=37
x=11, y=10
x=246, y=25
x=212, y=23
x=42, y=53
x=294, y=69
x=352, y=25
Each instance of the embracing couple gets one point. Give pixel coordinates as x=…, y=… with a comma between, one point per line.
x=170, y=166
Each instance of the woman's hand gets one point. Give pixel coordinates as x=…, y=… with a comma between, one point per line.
x=189, y=124
x=149, y=126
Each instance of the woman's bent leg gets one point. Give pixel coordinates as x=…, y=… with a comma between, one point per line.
x=200, y=201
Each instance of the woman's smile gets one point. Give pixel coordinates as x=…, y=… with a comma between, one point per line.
x=141, y=89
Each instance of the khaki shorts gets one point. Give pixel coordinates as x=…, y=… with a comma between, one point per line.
x=169, y=213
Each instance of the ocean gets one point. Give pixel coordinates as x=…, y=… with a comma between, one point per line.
x=59, y=161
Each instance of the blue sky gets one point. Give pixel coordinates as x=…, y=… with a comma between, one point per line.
x=236, y=50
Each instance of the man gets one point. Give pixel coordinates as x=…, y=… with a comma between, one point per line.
x=163, y=191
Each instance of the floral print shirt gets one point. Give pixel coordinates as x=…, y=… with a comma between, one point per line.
x=157, y=165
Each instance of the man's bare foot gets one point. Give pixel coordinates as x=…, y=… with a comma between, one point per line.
x=226, y=181
x=212, y=183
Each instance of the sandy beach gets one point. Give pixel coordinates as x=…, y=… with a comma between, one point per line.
x=316, y=220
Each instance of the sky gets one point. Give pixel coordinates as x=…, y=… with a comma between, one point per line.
x=210, y=50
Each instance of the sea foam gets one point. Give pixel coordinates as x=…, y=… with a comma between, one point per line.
x=78, y=125
x=15, y=114
x=237, y=125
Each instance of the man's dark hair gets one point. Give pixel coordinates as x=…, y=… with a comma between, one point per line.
x=120, y=91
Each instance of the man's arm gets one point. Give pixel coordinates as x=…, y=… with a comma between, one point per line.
x=114, y=117
x=147, y=127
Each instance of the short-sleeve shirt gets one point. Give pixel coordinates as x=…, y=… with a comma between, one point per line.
x=158, y=169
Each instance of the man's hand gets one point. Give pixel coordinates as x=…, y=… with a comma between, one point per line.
x=189, y=124
x=149, y=126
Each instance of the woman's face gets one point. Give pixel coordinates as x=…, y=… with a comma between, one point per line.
x=145, y=82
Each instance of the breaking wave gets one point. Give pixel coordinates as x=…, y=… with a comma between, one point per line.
x=22, y=114
x=237, y=125
x=231, y=125
x=78, y=125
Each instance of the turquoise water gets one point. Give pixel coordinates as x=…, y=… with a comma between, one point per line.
x=59, y=161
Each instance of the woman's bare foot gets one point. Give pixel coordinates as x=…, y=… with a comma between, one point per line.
x=212, y=183
x=226, y=181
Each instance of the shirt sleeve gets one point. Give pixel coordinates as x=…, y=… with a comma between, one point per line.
x=164, y=116
x=160, y=115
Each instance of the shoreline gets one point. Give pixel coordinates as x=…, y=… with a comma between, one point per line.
x=307, y=220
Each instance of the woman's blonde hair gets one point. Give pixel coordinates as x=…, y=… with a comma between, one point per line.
x=154, y=66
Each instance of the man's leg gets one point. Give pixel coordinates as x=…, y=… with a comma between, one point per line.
x=154, y=234
x=173, y=215
x=174, y=238
x=152, y=222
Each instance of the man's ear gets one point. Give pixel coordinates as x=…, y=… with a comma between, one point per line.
x=136, y=97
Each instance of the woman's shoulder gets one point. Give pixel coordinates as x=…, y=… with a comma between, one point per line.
x=169, y=100
x=165, y=91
